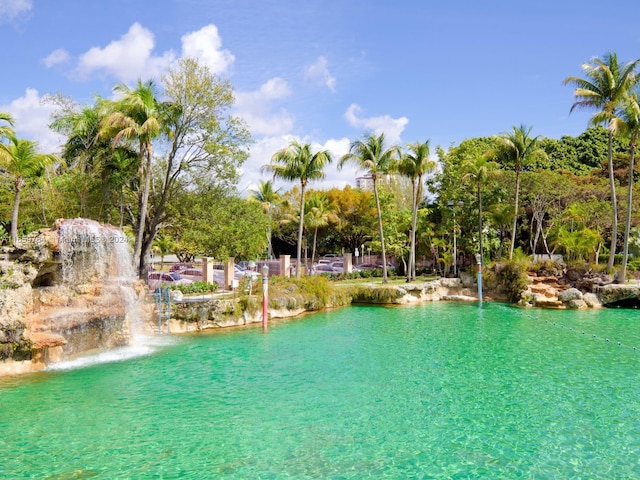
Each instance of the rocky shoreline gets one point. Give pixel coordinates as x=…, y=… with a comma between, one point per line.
x=44, y=318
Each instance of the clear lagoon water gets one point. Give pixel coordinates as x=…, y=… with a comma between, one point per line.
x=432, y=391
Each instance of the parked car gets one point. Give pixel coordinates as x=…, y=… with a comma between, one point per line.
x=177, y=267
x=240, y=272
x=193, y=274
x=322, y=269
x=165, y=279
x=338, y=267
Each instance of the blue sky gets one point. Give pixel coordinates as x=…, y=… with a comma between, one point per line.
x=323, y=71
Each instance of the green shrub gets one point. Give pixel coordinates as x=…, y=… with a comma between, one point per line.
x=196, y=288
x=510, y=278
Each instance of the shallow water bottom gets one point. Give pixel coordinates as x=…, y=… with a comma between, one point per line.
x=431, y=391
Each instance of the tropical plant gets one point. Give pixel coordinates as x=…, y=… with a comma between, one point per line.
x=519, y=150
x=297, y=163
x=479, y=169
x=415, y=165
x=268, y=197
x=22, y=163
x=369, y=154
x=6, y=131
x=318, y=213
x=604, y=87
x=164, y=245
x=627, y=122
x=139, y=116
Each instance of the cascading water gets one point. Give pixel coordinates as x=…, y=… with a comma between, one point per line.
x=98, y=258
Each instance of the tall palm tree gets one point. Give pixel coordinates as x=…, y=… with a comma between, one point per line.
x=480, y=169
x=22, y=162
x=415, y=165
x=518, y=149
x=627, y=121
x=319, y=213
x=139, y=116
x=604, y=87
x=268, y=197
x=370, y=155
x=297, y=163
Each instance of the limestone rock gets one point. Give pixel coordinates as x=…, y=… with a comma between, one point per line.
x=592, y=300
x=615, y=293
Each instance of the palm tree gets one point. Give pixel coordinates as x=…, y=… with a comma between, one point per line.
x=627, y=121
x=604, y=87
x=21, y=161
x=296, y=162
x=518, y=149
x=269, y=197
x=319, y=213
x=6, y=131
x=164, y=244
x=479, y=169
x=138, y=115
x=415, y=165
x=369, y=154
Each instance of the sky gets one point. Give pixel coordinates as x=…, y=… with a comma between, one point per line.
x=324, y=72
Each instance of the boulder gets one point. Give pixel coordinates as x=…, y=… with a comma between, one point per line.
x=613, y=294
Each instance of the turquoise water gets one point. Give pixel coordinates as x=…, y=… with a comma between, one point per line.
x=434, y=391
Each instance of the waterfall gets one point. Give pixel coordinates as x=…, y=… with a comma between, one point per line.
x=96, y=254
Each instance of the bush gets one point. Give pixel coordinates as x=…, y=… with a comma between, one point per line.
x=196, y=288
x=511, y=278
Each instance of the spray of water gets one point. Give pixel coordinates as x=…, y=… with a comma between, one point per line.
x=92, y=253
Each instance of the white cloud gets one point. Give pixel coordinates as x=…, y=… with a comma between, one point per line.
x=10, y=9
x=256, y=108
x=128, y=58
x=262, y=151
x=392, y=127
x=32, y=119
x=205, y=44
x=319, y=72
x=56, y=57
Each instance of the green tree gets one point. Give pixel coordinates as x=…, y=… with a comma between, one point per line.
x=318, y=213
x=138, y=115
x=480, y=169
x=369, y=154
x=268, y=197
x=603, y=88
x=6, y=131
x=22, y=163
x=164, y=244
x=519, y=150
x=297, y=163
x=415, y=165
x=627, y=122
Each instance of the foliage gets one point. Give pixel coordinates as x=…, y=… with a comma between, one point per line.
x=510, y=277
x=216, y=224
x=310, y=293
x=196, y=288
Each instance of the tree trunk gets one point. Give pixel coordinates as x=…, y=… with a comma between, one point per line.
x=300, y=229
x=384, y=253
x=480, y=223
x=412, y=251
x=627, y=225
x=614, y=204
x=142, y=214
x=14, y=213
x=515, y=216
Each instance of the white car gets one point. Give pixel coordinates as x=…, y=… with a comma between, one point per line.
x=165, y=279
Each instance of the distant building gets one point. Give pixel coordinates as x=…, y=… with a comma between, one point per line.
x=364, y=183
